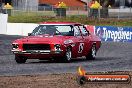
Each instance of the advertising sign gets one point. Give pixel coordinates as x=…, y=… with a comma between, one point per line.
x=116, y=34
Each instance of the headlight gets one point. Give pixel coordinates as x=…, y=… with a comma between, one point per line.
x=57, y=46
x=14, y=46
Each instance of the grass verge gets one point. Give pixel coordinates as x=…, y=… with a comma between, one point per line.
x=80, y=19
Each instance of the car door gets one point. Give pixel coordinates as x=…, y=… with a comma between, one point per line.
x=86, y=39
x=79, y=42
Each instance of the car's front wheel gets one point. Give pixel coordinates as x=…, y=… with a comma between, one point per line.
x=91, y=55
x=68, y=55
x=20, y=60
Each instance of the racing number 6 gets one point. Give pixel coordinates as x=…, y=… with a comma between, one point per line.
x=81, y=47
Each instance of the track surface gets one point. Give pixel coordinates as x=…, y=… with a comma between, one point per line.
x=110, y=57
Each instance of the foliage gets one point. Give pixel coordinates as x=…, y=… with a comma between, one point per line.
x=81, y=19
x=61, y=5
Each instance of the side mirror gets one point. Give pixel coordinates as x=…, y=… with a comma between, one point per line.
x=29, y=34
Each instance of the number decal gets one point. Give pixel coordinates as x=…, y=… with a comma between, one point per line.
x=81, y=47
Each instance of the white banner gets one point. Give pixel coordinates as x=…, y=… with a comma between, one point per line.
x=3, y=23
x=20, y=28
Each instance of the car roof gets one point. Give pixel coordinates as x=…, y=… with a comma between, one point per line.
x=59, y=23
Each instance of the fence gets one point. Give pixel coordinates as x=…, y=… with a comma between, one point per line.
x=98, y=13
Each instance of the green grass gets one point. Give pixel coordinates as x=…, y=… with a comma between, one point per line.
x=32, y=18
x=32, y=13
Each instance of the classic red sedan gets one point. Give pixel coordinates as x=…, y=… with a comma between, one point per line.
x=56, y=40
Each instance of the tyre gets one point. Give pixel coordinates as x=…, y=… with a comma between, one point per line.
x=91, y=55
x=20, y=60
x=68, y=55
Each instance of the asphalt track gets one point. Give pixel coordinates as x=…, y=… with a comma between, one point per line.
x=110, y=57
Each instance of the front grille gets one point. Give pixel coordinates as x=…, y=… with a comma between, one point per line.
x=36, y=47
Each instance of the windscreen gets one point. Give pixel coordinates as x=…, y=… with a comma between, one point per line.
x=66, y=30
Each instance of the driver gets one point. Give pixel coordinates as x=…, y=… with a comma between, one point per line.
x=51, y=30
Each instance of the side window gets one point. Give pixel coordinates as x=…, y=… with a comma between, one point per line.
x=76, y=31
x=84, y=30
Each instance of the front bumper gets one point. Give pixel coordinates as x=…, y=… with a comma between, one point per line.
x=37, y=52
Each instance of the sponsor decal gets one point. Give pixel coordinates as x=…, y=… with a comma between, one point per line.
x=68, y=41
x=101, y=77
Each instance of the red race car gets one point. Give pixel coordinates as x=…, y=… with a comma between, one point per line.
x=56, y=40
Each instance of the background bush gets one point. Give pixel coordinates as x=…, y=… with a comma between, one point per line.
x=80, y=19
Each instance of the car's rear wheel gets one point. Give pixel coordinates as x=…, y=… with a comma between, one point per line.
x=20, y=59
x=91, y=55
x=68, y=55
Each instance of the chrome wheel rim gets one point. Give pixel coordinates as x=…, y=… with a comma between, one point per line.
x=68, y=55
x=93, y=51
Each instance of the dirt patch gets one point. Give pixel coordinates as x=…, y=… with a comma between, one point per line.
x=53, y=81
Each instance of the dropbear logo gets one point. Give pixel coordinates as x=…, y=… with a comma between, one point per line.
x=84, y=77
x=111, y=35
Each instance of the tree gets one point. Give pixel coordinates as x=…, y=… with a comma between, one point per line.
x=106, y=3
x=7, y=1
x=0, y=4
